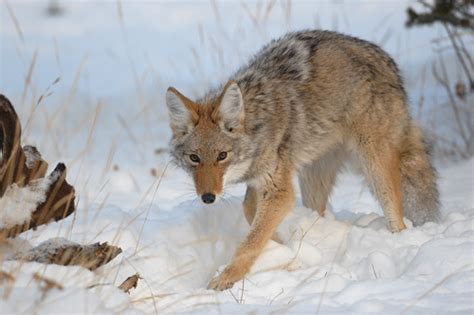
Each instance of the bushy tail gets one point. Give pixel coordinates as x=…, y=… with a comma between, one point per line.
x=420, y=191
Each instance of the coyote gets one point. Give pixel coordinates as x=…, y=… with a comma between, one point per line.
x=303, y=105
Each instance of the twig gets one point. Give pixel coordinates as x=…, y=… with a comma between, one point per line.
x=459, y=55
x=452, y=102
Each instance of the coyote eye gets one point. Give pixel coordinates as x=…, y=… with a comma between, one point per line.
x=194, y=158
x=222, y=156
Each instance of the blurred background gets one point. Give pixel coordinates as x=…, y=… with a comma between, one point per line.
x=88, y=77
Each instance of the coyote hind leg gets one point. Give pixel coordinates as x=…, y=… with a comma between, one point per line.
x=381, y=164
x=317, y=179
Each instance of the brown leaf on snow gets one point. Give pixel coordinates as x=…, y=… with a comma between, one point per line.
x=130, y=283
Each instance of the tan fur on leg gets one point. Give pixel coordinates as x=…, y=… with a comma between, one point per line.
x=382, y=164
x=275, y=197
x=250, y=207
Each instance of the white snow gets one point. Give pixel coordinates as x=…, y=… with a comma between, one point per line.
x=44, y=250
x=340, y=263
x=18, y=203
x=107, y=125
x=32, y=156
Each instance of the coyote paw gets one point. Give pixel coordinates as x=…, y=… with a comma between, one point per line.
x=219, y=284
x=225, y=280
x=397, y=226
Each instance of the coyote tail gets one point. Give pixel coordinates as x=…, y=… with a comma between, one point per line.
x=418, y=179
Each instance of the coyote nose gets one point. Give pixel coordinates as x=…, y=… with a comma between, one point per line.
x=208, y=198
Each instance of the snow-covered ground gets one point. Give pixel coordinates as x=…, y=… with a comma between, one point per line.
x=107, y=121
x=347, y=262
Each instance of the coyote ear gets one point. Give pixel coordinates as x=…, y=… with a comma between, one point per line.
x=181, y=111
x=231, y=109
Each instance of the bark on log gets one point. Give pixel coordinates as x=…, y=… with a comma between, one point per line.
x=21, y=166
x=67, y=253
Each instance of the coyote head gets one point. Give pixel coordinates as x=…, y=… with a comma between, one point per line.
x=209, y=139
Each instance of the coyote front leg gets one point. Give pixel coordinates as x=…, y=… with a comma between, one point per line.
x=275, y=198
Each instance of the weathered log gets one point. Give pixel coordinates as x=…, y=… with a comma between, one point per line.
x=67, y=253
x=23, y=167
x=22, y=173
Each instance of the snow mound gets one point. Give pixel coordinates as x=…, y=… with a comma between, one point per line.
x=340, y=263
x=18, y=203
